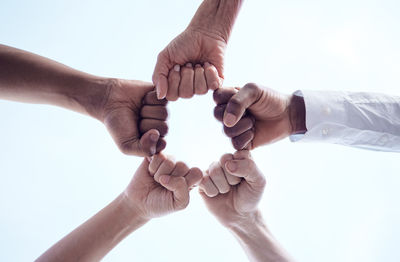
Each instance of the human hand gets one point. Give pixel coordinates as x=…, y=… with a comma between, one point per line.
x=232, y=188
x=254, y=115
x=160, y=187
x=135, y=117
x=189, y=80
x=195, y=47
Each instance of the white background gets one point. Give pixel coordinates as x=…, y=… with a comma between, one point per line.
x=322, y=202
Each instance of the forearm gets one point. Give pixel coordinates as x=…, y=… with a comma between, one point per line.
x=96, y=237
x=26, y=77
x=257, y=241
x=216, y=17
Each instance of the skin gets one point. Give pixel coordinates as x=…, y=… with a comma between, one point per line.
x=253, y=115
x=235, y=205
x=200, y=47
x=129, y=109
x=142, y=200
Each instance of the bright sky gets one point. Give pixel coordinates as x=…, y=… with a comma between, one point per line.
x=322, y=202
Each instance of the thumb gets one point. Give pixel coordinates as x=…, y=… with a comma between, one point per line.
x=148, y=142
x=247, y=169
x=178, y=186
x=237, y=105
x=160, y=75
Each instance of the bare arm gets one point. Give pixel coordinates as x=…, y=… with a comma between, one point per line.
x=232, y=190
x=122, y=105
x=257, y=241
x=216, y=17
x=202, y=43
x=142, y=200
x=96, y=237
x=30, y=78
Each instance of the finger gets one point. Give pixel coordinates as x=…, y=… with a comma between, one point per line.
x=200, y=85
x=242, y=154
x=148, y=141
x=123, y=127
x=160, y=74
x=208, y=187
x=179, y=188
x=244, y=124
x=218, y=178
x=186, y=85
x=161, y=144
x=239, y=102
x=219, y=111
x=232, y=180
x=223, y=94
x=174, y=78
x=166, y=167
x=181, y=169
x=155, y=163
x=147, y=124
x=247, y=169
x=151, y=99
x=162, y=86
x=241, y=141
x=154, y=112
x=194, y=176
x=212, y=77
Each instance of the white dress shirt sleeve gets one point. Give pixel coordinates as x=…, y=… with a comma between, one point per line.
x=364, y=120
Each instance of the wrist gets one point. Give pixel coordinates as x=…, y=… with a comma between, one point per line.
x=215, y=18
x=297, y=115
x=132, y=215
x=89, y=95
x=245, y=223
x=257, y=241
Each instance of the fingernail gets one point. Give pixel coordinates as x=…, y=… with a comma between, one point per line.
x=231, y=166
x=153, y=150
x=158, y=91
x=189, y=65
x=154, y=137
x=177, y=68
x=164, y=179
x=197, y=66
x=230, y=119
x=206, y=64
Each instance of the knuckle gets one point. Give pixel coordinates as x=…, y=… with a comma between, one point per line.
x=230, y=132
x=180, y=165
x=251, y=89
x=225, y=158
x=184, y=203
x=125, y=148
x=164, y=129
x=196, y=171
x=219, y=112
x=263, y=181
x=163, y=112
x=169, y=163
x=237, y=143
x=217, y=94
